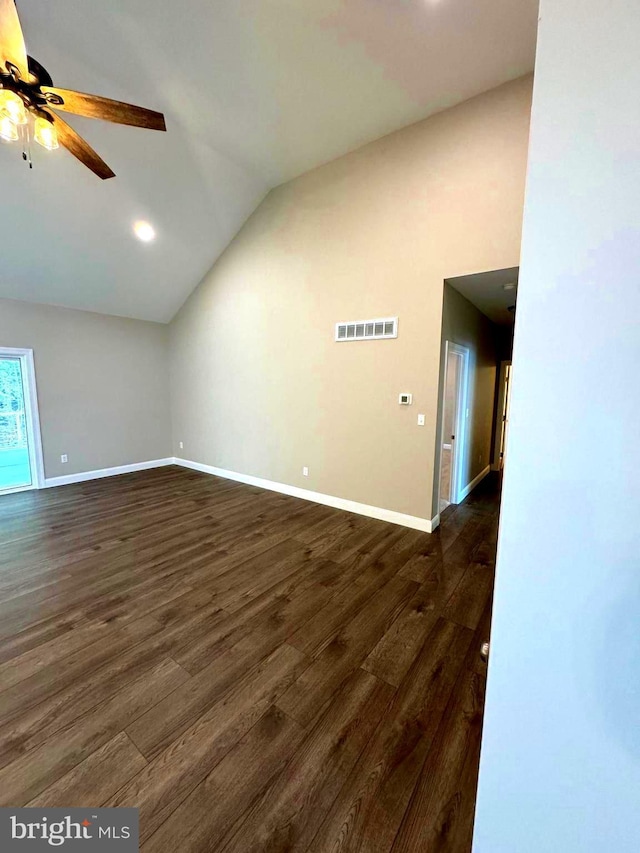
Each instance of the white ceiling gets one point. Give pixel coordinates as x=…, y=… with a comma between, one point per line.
x=486, y=291
x=255, y=92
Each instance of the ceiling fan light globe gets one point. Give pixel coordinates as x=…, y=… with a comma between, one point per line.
x=8, y=130
x=12, y=106
x=45, y=134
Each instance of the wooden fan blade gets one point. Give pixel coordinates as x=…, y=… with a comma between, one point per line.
x=95, y=106
x=74, y=143
x=12, y=47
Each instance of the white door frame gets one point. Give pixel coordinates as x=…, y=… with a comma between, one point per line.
x=462, y=403
x=32, y=417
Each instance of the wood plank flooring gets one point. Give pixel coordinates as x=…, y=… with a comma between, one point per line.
x=252, y=671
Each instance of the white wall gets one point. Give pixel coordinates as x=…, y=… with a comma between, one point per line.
x=560, y=769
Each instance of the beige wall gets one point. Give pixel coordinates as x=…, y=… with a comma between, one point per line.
x=463, y=324
x=258, y=384
x=102, y=383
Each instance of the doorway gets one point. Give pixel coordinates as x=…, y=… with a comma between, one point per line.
x=21, y=465
x=453, y=433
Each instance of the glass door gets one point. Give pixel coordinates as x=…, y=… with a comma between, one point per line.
x=18, y=451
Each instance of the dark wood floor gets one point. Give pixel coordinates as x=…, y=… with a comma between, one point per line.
x=254, y=672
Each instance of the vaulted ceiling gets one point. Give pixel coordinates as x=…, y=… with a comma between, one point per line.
x=255, y=92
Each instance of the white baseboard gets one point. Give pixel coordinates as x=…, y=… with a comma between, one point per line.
x=412, y=521
x=83, y=476
x=468, y=489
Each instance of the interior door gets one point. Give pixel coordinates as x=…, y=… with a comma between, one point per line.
x=505, y=414
x=451, y=398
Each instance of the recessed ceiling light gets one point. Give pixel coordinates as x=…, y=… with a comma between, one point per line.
x=144, y=231
x=508, y=287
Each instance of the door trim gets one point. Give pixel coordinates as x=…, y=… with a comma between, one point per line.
x=459, y=445
x=32, y=417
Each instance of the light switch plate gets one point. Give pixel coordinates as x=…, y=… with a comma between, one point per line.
x=420, y=420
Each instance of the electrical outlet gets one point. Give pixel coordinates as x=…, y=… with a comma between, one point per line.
x=64, y=458
x=181, y=445
x=305, y=471
x=420, y=420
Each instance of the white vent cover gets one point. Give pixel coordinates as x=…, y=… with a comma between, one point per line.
x=367, y=330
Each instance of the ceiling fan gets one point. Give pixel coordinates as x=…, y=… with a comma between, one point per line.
x=29, y=102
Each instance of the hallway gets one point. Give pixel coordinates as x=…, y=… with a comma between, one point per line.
x=253, y=671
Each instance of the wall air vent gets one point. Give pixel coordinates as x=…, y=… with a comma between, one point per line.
x=367, y=330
